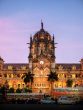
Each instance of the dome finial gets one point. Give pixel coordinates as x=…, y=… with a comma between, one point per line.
x=41, y=24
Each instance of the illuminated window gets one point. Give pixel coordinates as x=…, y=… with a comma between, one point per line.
x=10, y=67
x=73, y=75
x=37, y=84
x=73, y=67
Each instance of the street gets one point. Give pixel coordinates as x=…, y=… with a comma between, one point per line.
x=40, y=107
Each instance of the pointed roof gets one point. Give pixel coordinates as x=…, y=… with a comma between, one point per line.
x=41, y=33
x=41, y=24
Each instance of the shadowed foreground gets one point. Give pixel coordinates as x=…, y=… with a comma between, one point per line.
x=39, y=107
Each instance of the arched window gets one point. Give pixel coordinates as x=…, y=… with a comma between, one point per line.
x=0, y=67
x=9, y=75
x=5, y=75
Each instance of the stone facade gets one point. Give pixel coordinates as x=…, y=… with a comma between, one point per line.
x=41, y=62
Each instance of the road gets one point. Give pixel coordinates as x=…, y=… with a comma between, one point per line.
x=40, y=107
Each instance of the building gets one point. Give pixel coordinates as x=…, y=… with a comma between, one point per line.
x=42, y=60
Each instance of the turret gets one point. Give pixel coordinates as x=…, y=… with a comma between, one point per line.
x=30, y=44
x=81, y=64
x=30, y=40
x=1, y=63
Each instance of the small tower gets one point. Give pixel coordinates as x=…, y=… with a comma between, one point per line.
x=53, y=54
x=81, y=64
x=1, y=63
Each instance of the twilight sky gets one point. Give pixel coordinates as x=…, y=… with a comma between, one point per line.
x=20, y=18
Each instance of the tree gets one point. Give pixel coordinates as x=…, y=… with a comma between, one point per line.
x=11, y=90
x=28, y=78
x=52, y=77
x=18, y=90
x=3, y=93
x=25, y=90
x=69, y=83
x=2, y=89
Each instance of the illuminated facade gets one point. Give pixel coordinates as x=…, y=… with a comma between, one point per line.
x=41, y=62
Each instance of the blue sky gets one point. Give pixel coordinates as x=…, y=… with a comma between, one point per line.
x=20, y=18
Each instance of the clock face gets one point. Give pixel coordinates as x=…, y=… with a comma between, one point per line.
x=41, y=62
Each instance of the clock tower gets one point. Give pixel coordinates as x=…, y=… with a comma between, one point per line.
x=41, y=59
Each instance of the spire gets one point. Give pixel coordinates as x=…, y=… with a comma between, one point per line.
x=30, y=37
x=41, y=24
x=30, y=40
x=53, y=36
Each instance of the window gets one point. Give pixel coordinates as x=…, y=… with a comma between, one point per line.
x=0, y=75
x=18, y=75
x=73, y=67
x=18, y=85
x=40, y=85
x=9, y=75
x=10, y=67
x=73, y=75
x=0, y=67
x=5, y=75
x=77, y=75
x=37, y=84
x=65, y=75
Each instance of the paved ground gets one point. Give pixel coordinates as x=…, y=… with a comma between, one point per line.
x=40, y=107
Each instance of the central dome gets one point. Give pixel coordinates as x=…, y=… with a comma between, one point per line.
x=42, y=34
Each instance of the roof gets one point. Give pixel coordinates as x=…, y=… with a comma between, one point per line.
x=64, y=65
x=69, y=65
x=42, y=34
x=15, y=65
